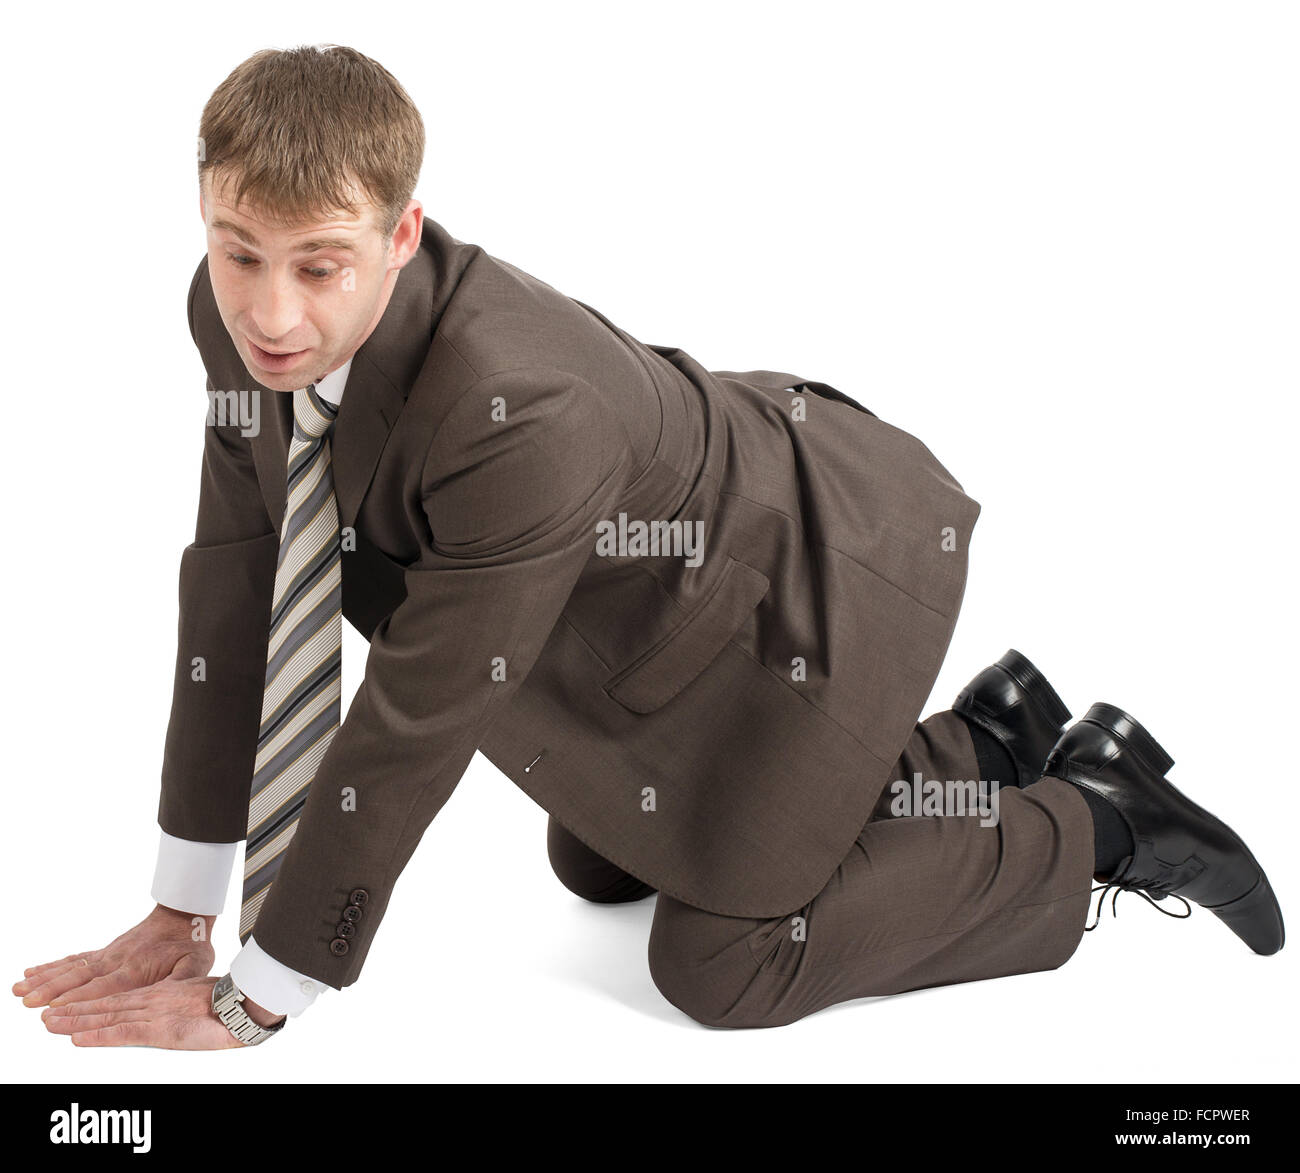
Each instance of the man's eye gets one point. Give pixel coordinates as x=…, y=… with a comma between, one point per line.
x=320, y=274
x=242, y=261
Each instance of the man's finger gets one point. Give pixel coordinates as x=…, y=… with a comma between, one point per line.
x=77, y=1023
x=42, y=973
x=143, y=1033
x=73, y=978
x=122, y=1000
x=70, y=979
x=117, y=982
x=37, y=970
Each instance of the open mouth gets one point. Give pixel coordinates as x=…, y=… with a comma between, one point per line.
x=272, y=360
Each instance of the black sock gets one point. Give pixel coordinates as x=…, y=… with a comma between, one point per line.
x=1111, y=839
x=995, y=760
x=1112, y=842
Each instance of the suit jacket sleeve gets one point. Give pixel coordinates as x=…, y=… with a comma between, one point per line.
x=512, y=507
x=227, y=578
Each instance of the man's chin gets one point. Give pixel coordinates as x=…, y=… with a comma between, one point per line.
x=282, y=383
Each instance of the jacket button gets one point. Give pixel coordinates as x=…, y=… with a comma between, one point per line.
x=359, y=897
x=338, y=946
x=346, y=929
x=352, y=913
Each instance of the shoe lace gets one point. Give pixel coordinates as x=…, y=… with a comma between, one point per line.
x=1134, y=883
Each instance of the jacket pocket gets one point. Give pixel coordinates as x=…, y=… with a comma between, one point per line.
x=826, y=391
x=661, y=672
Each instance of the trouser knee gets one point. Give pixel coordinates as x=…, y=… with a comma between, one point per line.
x=706, y=966
x=588, y=874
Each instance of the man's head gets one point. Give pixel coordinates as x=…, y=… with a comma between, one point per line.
x=307, y=161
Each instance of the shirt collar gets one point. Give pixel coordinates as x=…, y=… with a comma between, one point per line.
x=331, y=386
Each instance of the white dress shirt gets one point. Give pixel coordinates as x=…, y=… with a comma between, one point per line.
x=193, y=877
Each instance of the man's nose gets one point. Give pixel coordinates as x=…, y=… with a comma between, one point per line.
x=276, y=309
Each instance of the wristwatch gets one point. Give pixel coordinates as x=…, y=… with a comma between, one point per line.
x=226, y=999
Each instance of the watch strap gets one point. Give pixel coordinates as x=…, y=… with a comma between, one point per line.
x=227, y=1005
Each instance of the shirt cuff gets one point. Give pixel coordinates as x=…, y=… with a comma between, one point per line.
x=271, y=984
x=191, y=876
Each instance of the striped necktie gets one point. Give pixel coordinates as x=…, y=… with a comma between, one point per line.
x=300, y=704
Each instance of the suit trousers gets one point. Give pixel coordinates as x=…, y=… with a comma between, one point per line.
x=920, y=900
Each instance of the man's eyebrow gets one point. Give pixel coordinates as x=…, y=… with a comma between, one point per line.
x=243, y=233
x=315, y=246
x=309, y=246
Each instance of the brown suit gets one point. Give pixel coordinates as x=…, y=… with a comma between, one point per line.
x=652, y=707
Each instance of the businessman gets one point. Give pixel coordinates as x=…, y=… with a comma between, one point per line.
x=694, y=614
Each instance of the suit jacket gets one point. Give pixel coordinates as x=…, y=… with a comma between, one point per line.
x=721, y=730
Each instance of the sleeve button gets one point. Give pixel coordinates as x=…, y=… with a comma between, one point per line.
x=352, y=913
x=338, y=946
x=359, y=897
x=346, y=929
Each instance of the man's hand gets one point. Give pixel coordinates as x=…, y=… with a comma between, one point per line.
x=161, y=946
x=173, y=1014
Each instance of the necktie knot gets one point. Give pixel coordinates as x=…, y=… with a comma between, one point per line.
x=312, y=414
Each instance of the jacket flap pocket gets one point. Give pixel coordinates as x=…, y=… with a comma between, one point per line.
x=659, y=674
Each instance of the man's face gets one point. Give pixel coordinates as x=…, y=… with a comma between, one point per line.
x=298, y=301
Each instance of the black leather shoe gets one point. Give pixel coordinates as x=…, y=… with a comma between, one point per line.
x=1180, y=849
x=1013, y=701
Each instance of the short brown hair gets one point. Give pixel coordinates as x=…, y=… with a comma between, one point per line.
x=298, y=128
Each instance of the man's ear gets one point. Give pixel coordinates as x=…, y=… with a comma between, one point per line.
x=406, y=236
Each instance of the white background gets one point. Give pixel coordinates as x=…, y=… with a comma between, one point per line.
x=1056, y=241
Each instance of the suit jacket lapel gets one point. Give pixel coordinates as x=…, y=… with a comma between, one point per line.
x=369, y=409
x=386, y=365
x=383, y=370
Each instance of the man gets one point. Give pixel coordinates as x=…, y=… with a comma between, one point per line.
x=694, y=614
